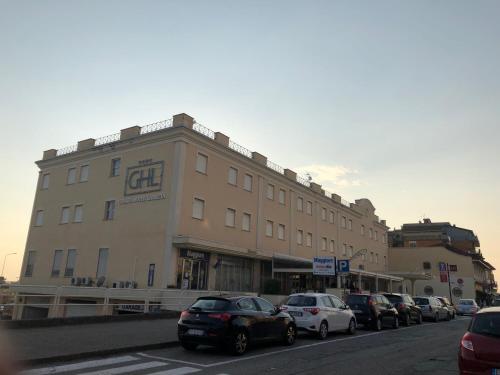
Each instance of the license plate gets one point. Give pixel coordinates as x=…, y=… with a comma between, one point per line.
x=357, y=311
x=195, y=332
x=295, y=313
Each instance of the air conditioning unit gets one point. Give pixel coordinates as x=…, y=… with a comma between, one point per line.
x=130, y=284
x=115, y=284
x=86, y=281
x=121, y=284
x=73, y=281
x=78, y=281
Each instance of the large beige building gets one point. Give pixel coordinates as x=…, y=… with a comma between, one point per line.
x=173, y=207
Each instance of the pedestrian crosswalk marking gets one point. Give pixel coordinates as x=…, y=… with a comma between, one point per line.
x=80, y=365
x=125, y=369
x=177, y=371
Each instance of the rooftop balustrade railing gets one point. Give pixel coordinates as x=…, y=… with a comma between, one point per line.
x=240, y=149
x=107, y=139
x=197, y=127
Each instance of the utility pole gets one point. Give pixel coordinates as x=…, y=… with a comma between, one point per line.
x=449, y=281
x=4, y=260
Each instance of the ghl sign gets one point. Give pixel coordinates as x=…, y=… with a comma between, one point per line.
x=144, y=178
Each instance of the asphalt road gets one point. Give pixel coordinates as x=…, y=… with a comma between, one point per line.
x=429, y=348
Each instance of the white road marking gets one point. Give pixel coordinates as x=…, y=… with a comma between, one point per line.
x=125, y=369
x=177, y=371
x=80, y=365
x=245, y=358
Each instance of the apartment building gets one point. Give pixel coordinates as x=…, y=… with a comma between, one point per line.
x=173, y=207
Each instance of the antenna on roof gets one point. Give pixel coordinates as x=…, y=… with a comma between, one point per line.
x=309, y=178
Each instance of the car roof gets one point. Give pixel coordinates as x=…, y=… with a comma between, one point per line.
x=486, y=310
x=310, y=294
x=225, y=297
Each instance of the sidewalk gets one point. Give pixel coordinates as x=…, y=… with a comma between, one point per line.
x=73, y=341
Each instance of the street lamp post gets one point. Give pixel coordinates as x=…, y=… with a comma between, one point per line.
x=354, y=256
x=4, y=260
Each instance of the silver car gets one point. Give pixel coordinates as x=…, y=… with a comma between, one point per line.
x=467, y=306
x=432, y=308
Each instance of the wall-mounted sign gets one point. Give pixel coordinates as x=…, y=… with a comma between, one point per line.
x=453, y=267
x=192, y=254
x=442, y=267
x=324, y=266
x=343, y=266
x=146, y=177
x=143, y=198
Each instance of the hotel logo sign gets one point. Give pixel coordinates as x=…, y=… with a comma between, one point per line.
x=144, y=178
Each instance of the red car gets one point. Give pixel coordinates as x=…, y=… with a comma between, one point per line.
x=480, y=346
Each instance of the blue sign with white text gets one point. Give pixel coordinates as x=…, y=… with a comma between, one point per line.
x=343, y=266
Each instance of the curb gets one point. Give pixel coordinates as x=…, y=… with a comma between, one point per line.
x=97, y=353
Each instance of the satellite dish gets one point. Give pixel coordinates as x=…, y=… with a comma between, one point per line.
x=100, y=281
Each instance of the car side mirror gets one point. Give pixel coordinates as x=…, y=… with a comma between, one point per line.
x=346, y=307
x=277, y=310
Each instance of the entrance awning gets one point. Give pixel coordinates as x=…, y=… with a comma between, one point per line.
x=291, y=264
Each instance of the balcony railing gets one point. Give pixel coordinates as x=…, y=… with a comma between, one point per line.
x=240, y=149
x=197, y=127
x=157, y=126
x=107, y=139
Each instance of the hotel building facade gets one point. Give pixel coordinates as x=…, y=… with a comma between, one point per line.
x=171, y=210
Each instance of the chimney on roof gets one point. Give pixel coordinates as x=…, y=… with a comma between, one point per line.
x=427, y=221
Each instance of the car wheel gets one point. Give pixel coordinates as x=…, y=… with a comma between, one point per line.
x=420, y=319
x=239, y=343
x=323, y=330
x=436, y=318
x=395, y=322
x=189, y=345
x=290, y=335
x=378, y=324
x=407, y=320
x=352, y=327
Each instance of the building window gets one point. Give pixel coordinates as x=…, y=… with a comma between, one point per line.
x=109, y=210
x=323, y=214
x=78, y=217
x=376, y=258
x=351, y=251
x=282, y=196
x=376, y=236
x=39, y=218
x=385, y=260
x=412, y=243
x=232, y=177
x=362, y=230
x=281, y=232
x=309, y=239
x=427, y=265
x=370, y=233
x=198, y=208
x=300, y=204
x=65, y=215
x=84, y=173
x=234, y=274
x=45, y=181
x=30, y=264
x=56, y=263
x=115, y=167
x=332, y=217
x=383, y=238
x=349, y=224
x=102, y=262
x=309, y=208
x=71, y=179
x=70, y=263
x=332, y=246
x=343, y=222
x=300, y=237
x=245, y=222
x=201, y=163
x=230, y=217
x=324, y=242
x=269, y=228
x=270, y=192
x=344, y=249
x=248, y=182
x=371, y=257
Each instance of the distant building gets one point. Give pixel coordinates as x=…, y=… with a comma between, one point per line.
x=431, y=249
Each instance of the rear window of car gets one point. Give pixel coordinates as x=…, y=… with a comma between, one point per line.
x=357, y=300
x=211, y=304
x=301, y=301
x=421, y=301
x=487, y=324
x=394, y=299
x=465, y=302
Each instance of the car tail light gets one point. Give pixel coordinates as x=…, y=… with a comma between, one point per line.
x=370, y=302
x=283, y=308
x=467, y=344
x=402, y=306
x=312, y=310
x=223, y=316
x=185, y=314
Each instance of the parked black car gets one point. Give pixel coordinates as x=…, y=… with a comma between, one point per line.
x=373, y=310
x=234, y=323
x=407, y=309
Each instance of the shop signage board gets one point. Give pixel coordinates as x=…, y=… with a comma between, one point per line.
x=324, y=266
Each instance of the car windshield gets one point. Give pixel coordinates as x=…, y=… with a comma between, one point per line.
x=394, y=299
x=486, y=324
x=465, y=302
x=210, y=305
x=421, y=301
x=354, y=299
x=301, y=301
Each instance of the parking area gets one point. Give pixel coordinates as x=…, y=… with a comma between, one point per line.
x=430, y=347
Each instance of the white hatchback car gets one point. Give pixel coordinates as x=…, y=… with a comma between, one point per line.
x=320, y=313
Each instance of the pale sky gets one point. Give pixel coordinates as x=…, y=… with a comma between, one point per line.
x=395, y=101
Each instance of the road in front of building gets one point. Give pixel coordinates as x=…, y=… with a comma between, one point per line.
x=429, y=348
